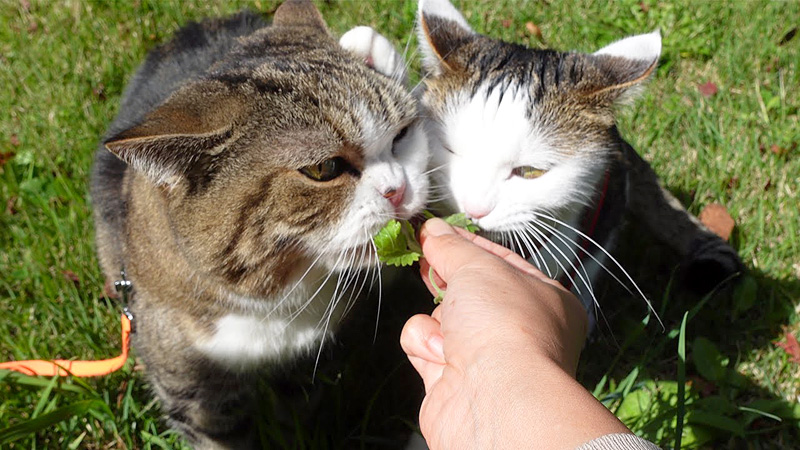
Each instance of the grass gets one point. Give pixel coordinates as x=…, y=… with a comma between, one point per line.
x=64, y=65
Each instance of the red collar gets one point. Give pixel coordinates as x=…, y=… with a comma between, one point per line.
x=592, y=222
x=589, y=223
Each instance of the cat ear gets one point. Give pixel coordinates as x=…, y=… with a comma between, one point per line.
x=376, y=51
x=299, y=13
x=629, y=62
x=441, y=30
x=193, y=123
x=646, y=47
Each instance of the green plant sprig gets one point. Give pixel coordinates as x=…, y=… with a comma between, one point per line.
x=397, y=244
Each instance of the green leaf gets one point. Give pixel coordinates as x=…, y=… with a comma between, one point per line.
x=773, y=407
x=744, y=295
x=392, y=244
x=649, y=411
x=397, y=243
x=708, y=360
x=460, y=220
x=411, y=237
x=387, y=239
x=717, y=404
x=598, y=389
x=40, y=382
x=33, y=426
x=760, y=413
x=715, y=420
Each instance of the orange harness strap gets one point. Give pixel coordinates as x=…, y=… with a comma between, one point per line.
x=63, y=367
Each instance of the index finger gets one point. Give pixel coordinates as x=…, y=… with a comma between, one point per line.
x=447, y=248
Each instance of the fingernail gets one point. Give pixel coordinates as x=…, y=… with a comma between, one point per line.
x=436, y=344
x=438, y=227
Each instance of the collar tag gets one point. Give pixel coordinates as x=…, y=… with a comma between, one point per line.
x=124, y=287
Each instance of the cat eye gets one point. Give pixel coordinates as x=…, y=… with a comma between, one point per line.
x=399, y=137
x=527, y=172
x=326, y=170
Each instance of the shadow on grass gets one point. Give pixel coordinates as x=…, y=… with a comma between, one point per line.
x=724, y=408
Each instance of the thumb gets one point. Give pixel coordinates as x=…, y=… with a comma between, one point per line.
x=446, y=250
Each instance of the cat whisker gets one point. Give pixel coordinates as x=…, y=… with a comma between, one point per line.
x=444, y=193
x=586, y=278
x=380, y=289
x=569, y=244
x=355, y=294
x=322, y=284
x=614, y=260
x=550, y=273
x=519, y=248
x=587, y=253
x=563, y=268
x=440, y=167
x=343, y=281
x=535, y=255
x=437, y=199
x=296, y=284
x=583, y=277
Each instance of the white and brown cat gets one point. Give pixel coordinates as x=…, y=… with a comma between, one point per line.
x=525, y=142
x=239, y=189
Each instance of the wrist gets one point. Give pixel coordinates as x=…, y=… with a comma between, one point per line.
x=533, y=399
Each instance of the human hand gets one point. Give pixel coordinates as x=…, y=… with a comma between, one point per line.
x=492, y=352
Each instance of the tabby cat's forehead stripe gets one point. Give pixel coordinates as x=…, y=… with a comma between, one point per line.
x=490, y=64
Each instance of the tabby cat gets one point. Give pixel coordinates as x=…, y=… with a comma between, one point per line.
x=525, y=143
x=239, y=188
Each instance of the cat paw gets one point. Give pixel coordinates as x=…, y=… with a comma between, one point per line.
x=710, y=264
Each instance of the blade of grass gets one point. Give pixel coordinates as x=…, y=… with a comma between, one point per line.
x=33, y=426
x=44, y=397
x=681, y=382
x=38, y=382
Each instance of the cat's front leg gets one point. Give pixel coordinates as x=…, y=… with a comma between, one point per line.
x=209, y=404
x=708, y=259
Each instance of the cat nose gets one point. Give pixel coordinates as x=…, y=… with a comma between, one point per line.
x=395, y=195
x=476, y=213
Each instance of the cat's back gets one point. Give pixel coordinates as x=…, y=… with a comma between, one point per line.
x=191, y=51
x=187, y=55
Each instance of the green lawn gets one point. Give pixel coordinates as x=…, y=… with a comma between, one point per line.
x=64, y=64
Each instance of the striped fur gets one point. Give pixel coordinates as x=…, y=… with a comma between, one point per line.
x=241, y=262
x=498, y=108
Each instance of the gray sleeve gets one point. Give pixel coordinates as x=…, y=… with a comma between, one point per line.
x=619, y=442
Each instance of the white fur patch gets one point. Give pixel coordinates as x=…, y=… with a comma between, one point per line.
x=488, y=139
x=274, y=329
x=243, y=341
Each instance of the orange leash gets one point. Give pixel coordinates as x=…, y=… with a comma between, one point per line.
x=63, y=367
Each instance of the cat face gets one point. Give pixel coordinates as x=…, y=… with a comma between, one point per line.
x=291, y=151
x=518, y=131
